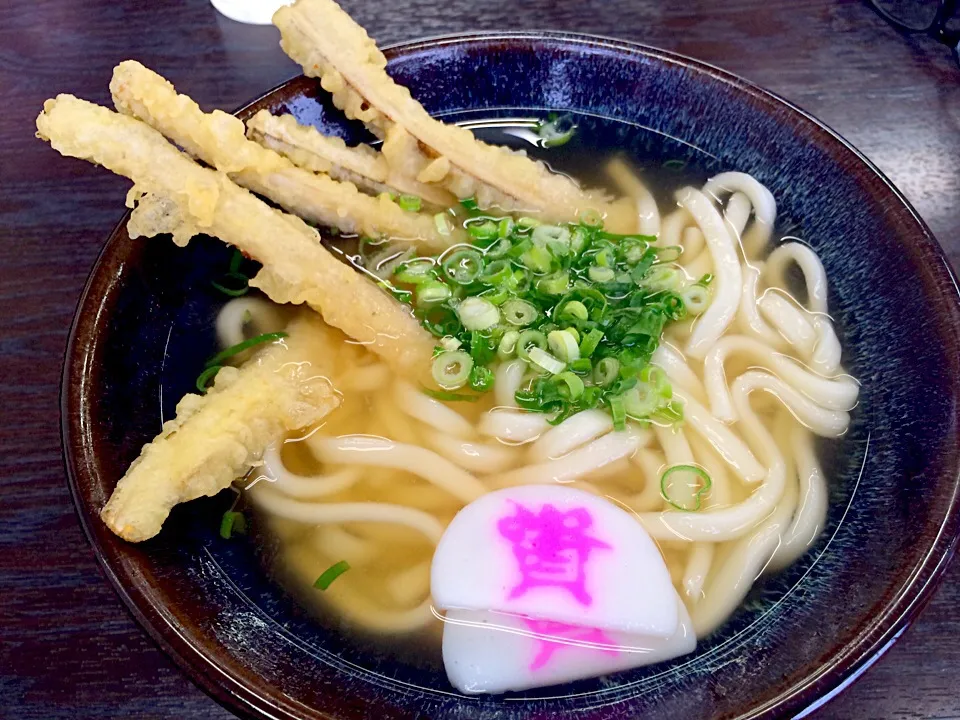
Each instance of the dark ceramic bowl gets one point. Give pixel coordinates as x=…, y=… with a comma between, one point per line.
x=144, y=327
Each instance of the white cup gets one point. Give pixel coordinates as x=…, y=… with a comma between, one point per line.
x=252, y=12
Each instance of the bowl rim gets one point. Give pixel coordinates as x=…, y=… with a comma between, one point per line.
x=803, y=698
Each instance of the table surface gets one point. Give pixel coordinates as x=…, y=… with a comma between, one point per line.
x=67, y=646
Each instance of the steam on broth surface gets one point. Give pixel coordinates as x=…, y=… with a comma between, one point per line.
x=732, y=490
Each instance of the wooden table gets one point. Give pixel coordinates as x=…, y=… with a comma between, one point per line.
x=67, y=647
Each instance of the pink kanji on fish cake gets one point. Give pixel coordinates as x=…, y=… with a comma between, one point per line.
x=552, y=549
x=553, y=636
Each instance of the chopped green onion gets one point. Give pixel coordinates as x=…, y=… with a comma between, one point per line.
x=556, y=131
x=705, y=280
x=245, y=345
x=590, y=342
x=541, y=358
x=431, y=293
x=543, y=235
x=606, y=371
x=618, y=413
x=537, y=259
x=478, y=314
x=640, y=401
x=529, y=338
x=330, y=574
x=662, y=277
x=564, y=345
x=574, y=385
x=498, y=249
x=450, y=343
x=528, y=223
x=232, y=522
x=410, y=203
x=451, y=370
x=203, y=381
x=449, y=396
x=575, y=309
x=591, y=217
x=463, y=266
x=600, y=274
x=442, y=223
x=415, y=272
x=668, y=254
x=671, y=413
x=498, y=296
x=505, y=227
x=235, y=261
x=481, y=378
x=657, y=379
x=508, y=344
x=583, y=365
x=703, y=485
x=486, y=230
x=469, y=203
x=696, y=298
x=555, y=284
x=242, y=280
x=519, y=312
x=496, y=272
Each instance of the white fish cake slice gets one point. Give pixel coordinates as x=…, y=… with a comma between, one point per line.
x=554, y=553
x=486, y=652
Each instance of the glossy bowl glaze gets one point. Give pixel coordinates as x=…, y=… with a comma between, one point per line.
x=143, y=329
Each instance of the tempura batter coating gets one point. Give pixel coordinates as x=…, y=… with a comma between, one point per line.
x=330, y=46
x=308, y=148
x=217, y=437
x=296, y=267
x=220, y=140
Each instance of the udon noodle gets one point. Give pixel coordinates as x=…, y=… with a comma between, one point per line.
x=757, y=371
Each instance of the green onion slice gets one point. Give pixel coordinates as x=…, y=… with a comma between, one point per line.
x=242, y=281
x=431, y=293
x=232, y=522
x=508, y=344
x=496, y=272
x=476, y=313
x=668, y=254
x=556, y=130
x=591, y=217
x=245, y=345
x=563, y=344
x=205, y=378
x=330, y=574
x=696, y=298
x=606, y=371
x=703, y=483
x=541, y=358
x=590, y=341
x=555, y=284
x=519, y=312
x=528, y=340
x=618, y=413
x=451, y=370
x=410, y=203
x=572, y=384
x=463, y=266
